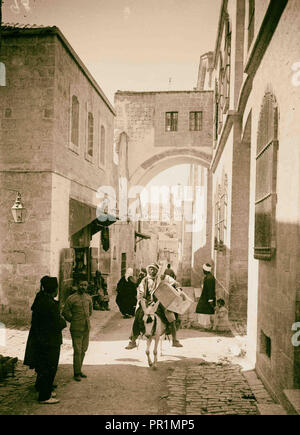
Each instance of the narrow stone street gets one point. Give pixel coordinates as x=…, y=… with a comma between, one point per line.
x=204, y=377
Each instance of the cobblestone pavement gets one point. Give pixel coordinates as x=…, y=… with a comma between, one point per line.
x=209, y=375
x=219, y=388
x=19, y=387
x=210, y=388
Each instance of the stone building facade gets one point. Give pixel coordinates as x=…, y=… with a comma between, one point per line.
x=56, y=149
x=165, y=129
x=255, y=180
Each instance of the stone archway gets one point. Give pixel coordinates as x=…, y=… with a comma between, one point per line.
x=162, y=161
x=152, y=142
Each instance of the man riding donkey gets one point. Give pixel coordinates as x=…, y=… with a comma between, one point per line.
x=146, y=291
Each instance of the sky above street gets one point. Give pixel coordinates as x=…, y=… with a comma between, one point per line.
x=136, y=45
x=139, y=45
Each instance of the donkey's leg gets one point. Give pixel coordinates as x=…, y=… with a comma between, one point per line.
x=157, y=336
x=148, y=351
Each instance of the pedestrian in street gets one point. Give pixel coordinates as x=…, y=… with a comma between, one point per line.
x=101, y=289
x=77, y=310
x=206, y=304
x=221, y=322
x=126, y=294
x=169, y=271
x=146, y=291
x=142, y=274
x=44, y=339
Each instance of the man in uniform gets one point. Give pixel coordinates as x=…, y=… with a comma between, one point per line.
x=77, y=310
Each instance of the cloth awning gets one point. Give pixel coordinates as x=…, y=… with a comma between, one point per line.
x=81, y=215
x=141, y=235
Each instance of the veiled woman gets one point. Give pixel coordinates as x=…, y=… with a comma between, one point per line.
x=126, y=294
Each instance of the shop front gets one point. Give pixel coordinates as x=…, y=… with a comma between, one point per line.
x=86, y=231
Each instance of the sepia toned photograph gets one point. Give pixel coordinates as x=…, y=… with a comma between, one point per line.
x=150, y=210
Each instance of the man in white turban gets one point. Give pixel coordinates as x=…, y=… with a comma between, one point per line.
x=207, y=302
x=146, y=291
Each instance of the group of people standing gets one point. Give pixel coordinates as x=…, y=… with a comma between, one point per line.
x=45, y=335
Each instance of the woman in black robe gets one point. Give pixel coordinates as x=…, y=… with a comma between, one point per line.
x=45, y=338
x=126, y=294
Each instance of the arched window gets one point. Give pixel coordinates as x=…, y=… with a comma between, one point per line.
x=102, y=146
x=2, y=74
x=75, y=121
x=90, y=148
x=266, y=172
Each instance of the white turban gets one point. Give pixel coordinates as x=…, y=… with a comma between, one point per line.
x=207, y=267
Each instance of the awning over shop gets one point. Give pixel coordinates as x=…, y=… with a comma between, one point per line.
x=141, y=235
x=81, y=215
x=138, y=237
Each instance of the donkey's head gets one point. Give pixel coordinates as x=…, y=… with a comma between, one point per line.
x=149, y=318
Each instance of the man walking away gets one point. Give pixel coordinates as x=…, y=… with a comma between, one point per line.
x=77, y=310
x=207, y=301
x=170, y=272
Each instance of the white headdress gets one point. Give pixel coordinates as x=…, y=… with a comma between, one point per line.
x=207, y=267
x=129, y=272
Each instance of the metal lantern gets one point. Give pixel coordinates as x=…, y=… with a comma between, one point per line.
x=18, y=211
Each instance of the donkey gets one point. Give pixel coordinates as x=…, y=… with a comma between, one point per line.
x=154, y=328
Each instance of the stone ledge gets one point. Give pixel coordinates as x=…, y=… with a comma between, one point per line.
x=292, y=398
x=265, y=409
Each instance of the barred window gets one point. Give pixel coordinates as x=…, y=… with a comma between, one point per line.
x=171, y=121
x=266, y=173
x=195, y=121
x=75, y=121
x=90, y=148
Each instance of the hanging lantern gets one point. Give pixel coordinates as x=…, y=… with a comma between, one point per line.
x=18, y=211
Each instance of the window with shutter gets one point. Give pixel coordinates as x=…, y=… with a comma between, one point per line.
x=195, y=121
x=102, y=146
x=75, y=121
x=266, y=172
x=171, y=121
x=90, y=144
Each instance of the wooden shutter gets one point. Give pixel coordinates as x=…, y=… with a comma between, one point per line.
x=266, y=172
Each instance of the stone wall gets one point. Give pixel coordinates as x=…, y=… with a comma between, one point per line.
x=42, y=74
x=278, y=279
x=67, y=160
x=142, y=116
x=25, y=247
